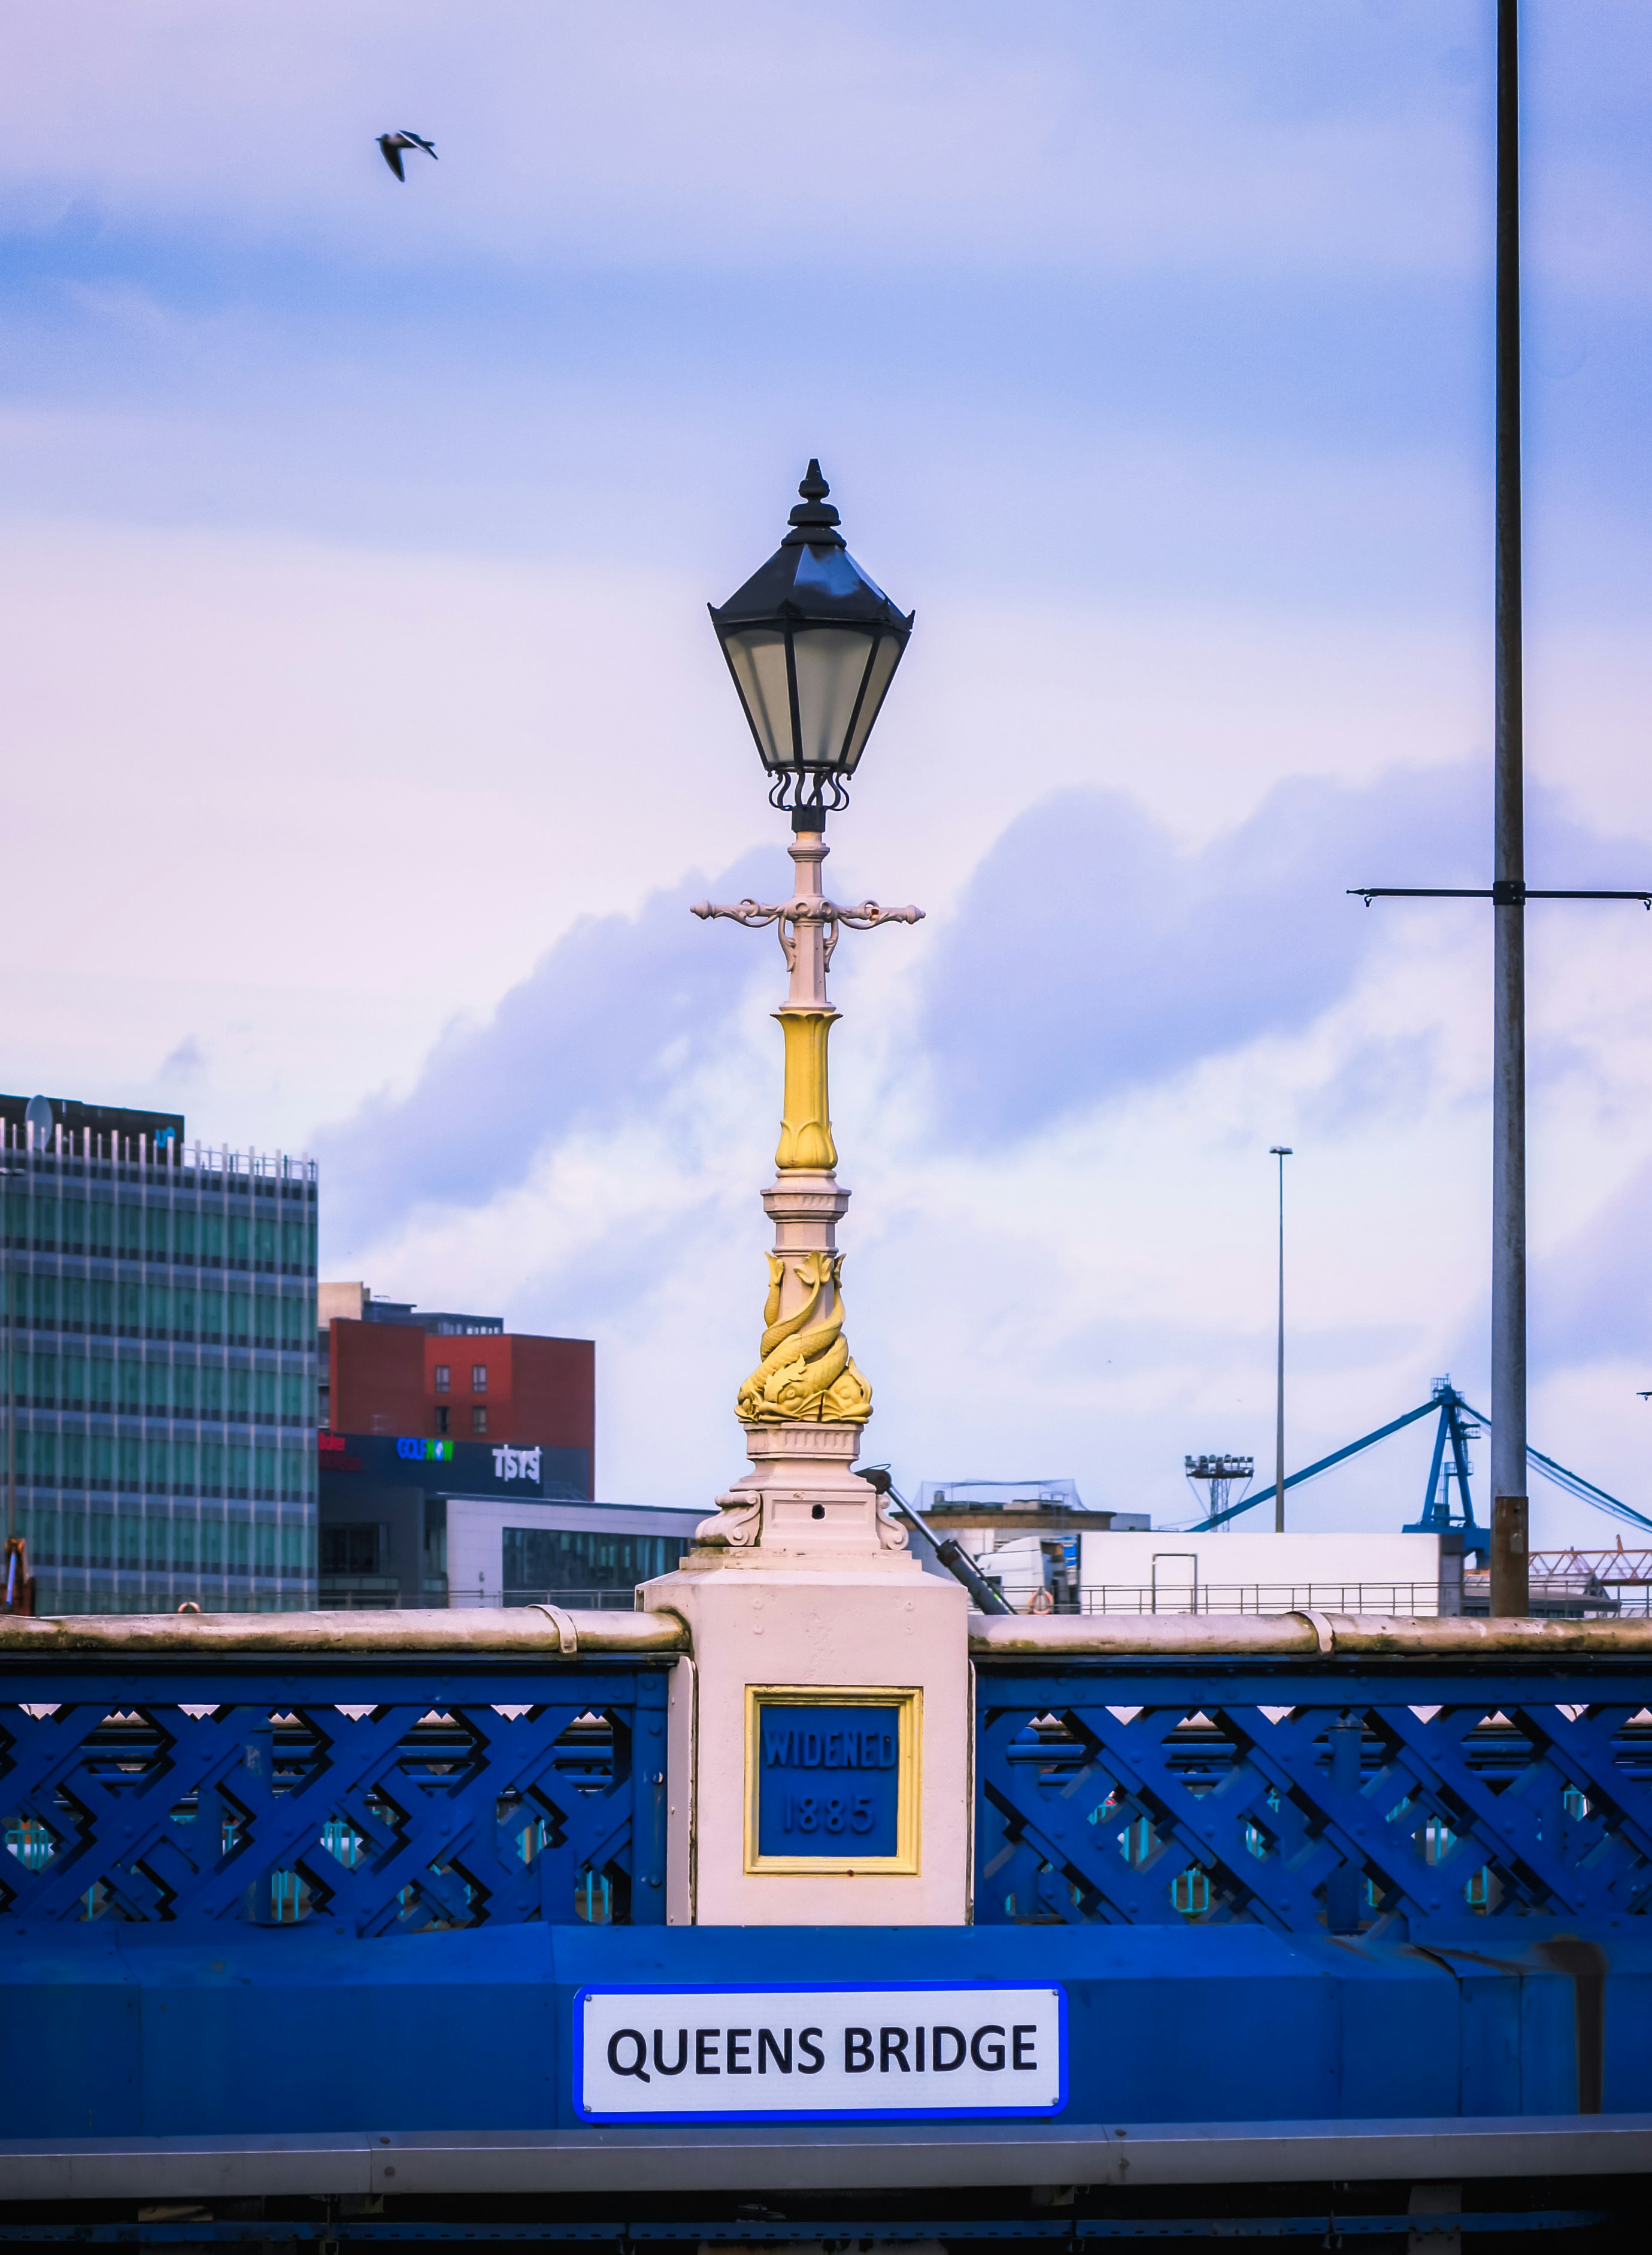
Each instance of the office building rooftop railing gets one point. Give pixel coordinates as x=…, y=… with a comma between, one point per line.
x=68, y=1149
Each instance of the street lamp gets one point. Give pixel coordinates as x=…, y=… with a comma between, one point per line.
x=812, y=644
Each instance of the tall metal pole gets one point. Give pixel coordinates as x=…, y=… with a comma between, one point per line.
x=1508, y=872
x=9, y=1569
x=1282, y=1152
x=1509, y=892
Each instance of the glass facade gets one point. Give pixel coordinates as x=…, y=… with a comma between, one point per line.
x=158, y=1367
x=538, y=1561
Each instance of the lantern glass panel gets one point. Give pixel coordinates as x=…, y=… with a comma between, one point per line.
x=880, y=673
x=758, y=656
x=831, y=664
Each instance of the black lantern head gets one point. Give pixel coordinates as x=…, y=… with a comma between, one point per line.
x=813, y=645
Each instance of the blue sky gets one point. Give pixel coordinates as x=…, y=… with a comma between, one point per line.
x=354, y=541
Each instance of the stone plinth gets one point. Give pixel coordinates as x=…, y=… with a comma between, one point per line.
x=878, y=1623
x=803, y=1583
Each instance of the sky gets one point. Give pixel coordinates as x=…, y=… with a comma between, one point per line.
x=368, y=741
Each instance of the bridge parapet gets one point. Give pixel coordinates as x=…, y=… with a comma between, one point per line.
x=1310, y=1870
x=1310, y=1774
x=388, y=1774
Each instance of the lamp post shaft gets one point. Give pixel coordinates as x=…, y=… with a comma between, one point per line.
x=1278, y=1393
x=806, y=1377
x=1509, y=1030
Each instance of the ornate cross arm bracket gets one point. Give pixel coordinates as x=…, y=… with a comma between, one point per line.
x=807, y=910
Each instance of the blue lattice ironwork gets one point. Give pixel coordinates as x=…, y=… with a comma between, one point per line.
x=1340, y=1797
x=379, y=1799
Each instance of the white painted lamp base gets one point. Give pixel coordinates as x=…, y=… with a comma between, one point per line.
x=803, y=1505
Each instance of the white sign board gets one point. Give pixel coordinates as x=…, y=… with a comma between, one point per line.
x=821, y=2054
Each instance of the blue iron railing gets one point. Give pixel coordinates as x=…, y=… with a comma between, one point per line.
x=381, y=1796
x=1341, y=1796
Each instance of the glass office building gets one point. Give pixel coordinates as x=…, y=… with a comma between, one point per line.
x=160, y=1383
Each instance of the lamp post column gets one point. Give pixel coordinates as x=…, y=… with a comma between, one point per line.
x=818, y=1740
x=803, y=1407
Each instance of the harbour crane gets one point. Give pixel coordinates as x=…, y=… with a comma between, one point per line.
x=1460, y=1423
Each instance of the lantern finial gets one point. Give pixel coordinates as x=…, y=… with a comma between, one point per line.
x=813, y=521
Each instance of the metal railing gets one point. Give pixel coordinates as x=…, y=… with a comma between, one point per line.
x=385, y=1596
x=623, y=1599
x=1629, y=1600
x=1412, y=1600
x=1566, y=1595
x=74, y=1153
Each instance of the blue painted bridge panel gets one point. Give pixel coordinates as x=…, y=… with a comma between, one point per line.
x=402, y=1795
x=127, y=2032
x=1349, y=1798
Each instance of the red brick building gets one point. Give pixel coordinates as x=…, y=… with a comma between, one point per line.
x=391, y=1370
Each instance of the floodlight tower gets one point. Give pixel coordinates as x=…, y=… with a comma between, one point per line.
x=1219, y=1476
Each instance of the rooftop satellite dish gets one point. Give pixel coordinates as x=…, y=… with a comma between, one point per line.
x=38, y=1123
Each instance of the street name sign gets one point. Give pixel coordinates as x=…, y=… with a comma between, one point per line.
x=824, y=2053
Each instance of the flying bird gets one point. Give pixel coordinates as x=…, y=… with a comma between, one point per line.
x=391, y=145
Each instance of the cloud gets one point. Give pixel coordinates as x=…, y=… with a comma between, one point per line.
x=1385, y=1078
x=1093, y=957
x=1164, y=404
x=1592, y=1299
x=187, y=1058
x=650, y=131
x=599, y=1030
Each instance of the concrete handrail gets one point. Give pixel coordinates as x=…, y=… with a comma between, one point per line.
x=1296, y=1636
x=522, y=1631
x=531, y=1631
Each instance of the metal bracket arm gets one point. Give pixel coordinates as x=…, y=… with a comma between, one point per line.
x=1507, y=893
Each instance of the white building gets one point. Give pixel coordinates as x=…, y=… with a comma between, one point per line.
x=1023, y=1535
x=526, y=1552
x=1220, y=1573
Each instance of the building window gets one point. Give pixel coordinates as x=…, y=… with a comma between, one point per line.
x=350, y=1549
x=478, y=1378
x=444, y=1378
x=478, y=1421
x=540, y=1562
x=441, y=1419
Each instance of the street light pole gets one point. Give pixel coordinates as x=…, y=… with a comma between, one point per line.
x=1509, y=891
x=1282, y=1152
x=1510, y=1508
x=811, y=645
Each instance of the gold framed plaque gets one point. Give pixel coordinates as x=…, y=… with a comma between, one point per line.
x=833, y=1778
